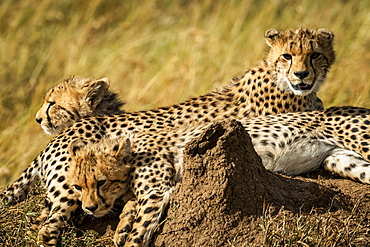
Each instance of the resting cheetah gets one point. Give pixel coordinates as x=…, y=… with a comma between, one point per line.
x=74, y=98
x=283, y=83
x=292, y=143
x=286, y=81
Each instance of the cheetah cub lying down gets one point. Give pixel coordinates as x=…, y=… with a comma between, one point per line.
x=149, y=164
x=74, y=98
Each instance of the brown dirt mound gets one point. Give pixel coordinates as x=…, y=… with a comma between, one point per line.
x=224, y=183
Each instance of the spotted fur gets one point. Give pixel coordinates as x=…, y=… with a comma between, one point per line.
x=293, y=144
x=259, y=92
x=276, y=85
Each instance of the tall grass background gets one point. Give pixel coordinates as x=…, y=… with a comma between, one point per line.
x=156, y=53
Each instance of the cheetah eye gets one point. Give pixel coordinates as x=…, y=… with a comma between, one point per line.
x=315, y=55
x=287, y=56
x=101, y=183
x=77, y=187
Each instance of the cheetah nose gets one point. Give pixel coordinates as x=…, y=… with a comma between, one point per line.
x=301, y=74
x=92, y=208
x=39, y=120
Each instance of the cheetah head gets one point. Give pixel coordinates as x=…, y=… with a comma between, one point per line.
x=75, y=98
x=301, y=58
x=99, y=173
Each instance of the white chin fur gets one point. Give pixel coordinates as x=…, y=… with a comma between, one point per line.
x=49, y=131
x=299, y=92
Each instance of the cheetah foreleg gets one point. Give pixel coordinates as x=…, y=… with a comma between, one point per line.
x=59, y=214
x=349, y=164
x=36, y=225
x=126, y=221
x=150, y=209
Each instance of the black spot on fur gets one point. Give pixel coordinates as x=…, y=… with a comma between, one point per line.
x=56, y=194
x=150, y=209
x=146, y=223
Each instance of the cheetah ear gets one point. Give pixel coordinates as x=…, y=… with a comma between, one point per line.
x=96, y=91
x=271, y=35
x=122, y=150
x=76, y=146
x=325, y=34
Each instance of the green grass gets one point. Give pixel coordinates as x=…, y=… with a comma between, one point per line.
x=156, y=53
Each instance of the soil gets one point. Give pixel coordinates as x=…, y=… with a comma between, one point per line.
x=227, y=198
